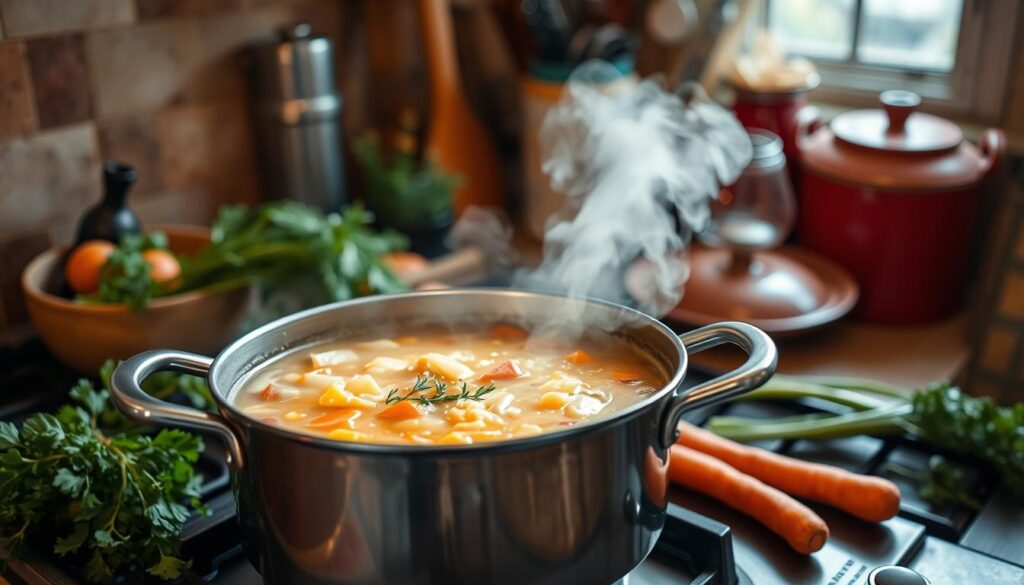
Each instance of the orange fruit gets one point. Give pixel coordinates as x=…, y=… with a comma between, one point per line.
x=82, y=269
x=164, y=268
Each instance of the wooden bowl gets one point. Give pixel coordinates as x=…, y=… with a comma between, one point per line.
x=84, y=335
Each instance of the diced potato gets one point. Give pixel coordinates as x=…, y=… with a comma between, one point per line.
x=553, y=400
x=444, y=366
x=513, y=411
x=382, y=364
x=582, y=406
x=293, y=416
x=478, y=413
x=562, y=382
x=332, y=357
x=338, y=396
x=469, y=437
x=321, y=381
x=421, y=424
x=499, y=402
x=347, y=435
x=378, y=344
x=456, y=414
x=456, y=438
x=477, y=425
x=365, y=386
x=345, y=417
x=528, y=429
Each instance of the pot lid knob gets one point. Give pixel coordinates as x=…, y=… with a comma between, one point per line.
x=898, y=106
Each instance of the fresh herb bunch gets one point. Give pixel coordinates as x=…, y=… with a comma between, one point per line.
x=89, y=482
x=125, y=278
x=280, y=243
x=403, y=191
x=440, y=395
x=940, y=414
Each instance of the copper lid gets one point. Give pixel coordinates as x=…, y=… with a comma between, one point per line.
x=893, y=148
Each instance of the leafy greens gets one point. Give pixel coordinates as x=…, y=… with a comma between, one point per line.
x=89, y=481
x=940, y=414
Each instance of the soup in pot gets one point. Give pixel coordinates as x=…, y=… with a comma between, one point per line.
x=443, y=388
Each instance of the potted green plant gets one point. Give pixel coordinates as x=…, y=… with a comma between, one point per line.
x=407, y=193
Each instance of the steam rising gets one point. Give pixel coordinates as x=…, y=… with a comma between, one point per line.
x=641, y=165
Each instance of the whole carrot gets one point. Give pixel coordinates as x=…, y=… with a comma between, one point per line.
x=867, y=497
x=797, y=524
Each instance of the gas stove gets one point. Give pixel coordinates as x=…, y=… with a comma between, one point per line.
x=703, y=543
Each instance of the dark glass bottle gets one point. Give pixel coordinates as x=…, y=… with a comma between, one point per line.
x=111, y=218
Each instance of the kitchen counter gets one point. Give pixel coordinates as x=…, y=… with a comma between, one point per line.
x=905, y=356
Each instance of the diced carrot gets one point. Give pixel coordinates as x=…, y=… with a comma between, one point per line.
x=626, y=376
x=342, y=417
x=269, y=420
x=403, y=410
x=506, y=370
x=509, y=332
x=579, y=357
x=270, y=394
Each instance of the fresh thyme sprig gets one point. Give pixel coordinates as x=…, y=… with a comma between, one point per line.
x=441, y=394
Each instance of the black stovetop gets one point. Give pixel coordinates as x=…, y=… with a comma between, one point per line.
x=704, y=543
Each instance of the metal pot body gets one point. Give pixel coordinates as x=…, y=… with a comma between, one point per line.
x=583, y=505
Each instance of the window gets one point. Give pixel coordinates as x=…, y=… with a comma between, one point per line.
x=957, y=54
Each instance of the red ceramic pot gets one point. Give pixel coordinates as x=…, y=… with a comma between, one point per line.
x=891, y=194
x=777, y=112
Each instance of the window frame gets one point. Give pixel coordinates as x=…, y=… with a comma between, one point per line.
x=975, y=89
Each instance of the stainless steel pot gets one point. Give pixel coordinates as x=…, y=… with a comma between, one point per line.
x=583, y=505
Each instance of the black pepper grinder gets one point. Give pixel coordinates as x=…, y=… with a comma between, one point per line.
x=111, y=218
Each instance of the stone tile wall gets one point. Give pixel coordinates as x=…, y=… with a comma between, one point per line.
x=159, y=84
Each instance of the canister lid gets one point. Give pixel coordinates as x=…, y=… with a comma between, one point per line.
x=894, y=148
x=897, y=126
x=298, y=65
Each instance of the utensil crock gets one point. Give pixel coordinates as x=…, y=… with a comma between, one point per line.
x=580, y=505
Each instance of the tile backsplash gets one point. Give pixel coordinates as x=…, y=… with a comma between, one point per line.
x=159, y=84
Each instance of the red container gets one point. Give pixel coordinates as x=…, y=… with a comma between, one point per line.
x=778, y=112
x=891, y=195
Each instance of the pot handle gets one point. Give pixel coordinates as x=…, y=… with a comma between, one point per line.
x=760, y=365
x=129, y=397
x=993, y=147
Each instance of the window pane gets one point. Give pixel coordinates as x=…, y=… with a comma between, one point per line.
x=910, y=33
x=813, y=28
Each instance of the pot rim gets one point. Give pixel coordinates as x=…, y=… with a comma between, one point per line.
x=228, y=409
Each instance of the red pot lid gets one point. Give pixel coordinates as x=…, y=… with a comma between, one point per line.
x=893, y=148
x=897, y=127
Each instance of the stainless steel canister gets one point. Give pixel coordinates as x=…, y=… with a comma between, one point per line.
x=299, y=119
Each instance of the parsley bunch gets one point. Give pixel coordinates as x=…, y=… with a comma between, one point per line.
x=125, y=278
x=115, y=500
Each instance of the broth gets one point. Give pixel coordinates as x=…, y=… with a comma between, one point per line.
x=439, y=388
